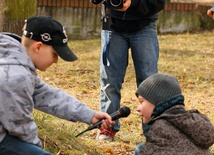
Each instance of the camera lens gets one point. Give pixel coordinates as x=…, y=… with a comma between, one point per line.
x=116, y=3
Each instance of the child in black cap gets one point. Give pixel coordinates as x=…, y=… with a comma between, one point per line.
x=174, y=130
x=21, y=89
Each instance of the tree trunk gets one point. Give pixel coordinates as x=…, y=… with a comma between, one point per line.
x=2, y=3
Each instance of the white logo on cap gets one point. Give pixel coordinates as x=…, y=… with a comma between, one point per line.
x=65, y=32
x=66, y=39
x=46, y=37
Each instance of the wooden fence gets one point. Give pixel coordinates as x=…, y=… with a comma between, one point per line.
x=87, y=4
x=82, y=19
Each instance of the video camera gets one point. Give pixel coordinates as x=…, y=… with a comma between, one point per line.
x=114, y=4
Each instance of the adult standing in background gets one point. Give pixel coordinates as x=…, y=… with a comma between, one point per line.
x=133, y=26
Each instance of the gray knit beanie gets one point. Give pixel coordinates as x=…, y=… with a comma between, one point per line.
x=159, y=87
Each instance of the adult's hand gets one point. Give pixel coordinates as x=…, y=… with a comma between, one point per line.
x=210, y=12
x=126, y=5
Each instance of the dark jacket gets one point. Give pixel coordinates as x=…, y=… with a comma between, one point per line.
x=179, y=132
x=137, y=16
x=139, y=9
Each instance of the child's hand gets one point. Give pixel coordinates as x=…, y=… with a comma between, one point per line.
x=106, y=119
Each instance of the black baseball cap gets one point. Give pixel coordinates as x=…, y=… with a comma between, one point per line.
x=50, y=32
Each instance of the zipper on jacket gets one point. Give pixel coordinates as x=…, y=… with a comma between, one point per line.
x=124, y=15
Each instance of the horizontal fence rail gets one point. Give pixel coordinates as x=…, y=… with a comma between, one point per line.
x=66, y=3
x=86, y=3
x=187, y=7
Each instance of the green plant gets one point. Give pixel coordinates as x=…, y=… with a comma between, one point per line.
x=19, y=9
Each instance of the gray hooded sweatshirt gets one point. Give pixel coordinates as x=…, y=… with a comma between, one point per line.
x=21, y=90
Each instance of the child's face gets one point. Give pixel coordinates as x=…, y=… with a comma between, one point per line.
x=145, y=109
x=46, y=56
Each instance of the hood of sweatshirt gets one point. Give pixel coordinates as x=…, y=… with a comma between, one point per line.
x=192, y=123
x=12, y=52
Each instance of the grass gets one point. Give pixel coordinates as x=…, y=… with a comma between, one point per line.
x=188, y=56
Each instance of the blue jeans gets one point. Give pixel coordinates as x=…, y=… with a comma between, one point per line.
x=11, y=145
x=145, y=53
x=105, y=37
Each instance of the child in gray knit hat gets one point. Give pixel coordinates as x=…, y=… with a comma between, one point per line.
x=174, y=130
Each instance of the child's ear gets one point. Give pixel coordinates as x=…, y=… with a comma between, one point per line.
x=37, y=47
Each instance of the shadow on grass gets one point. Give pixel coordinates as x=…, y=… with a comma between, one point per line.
x=58, y=136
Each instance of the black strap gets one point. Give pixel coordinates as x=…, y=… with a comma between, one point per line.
x=15, y=36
